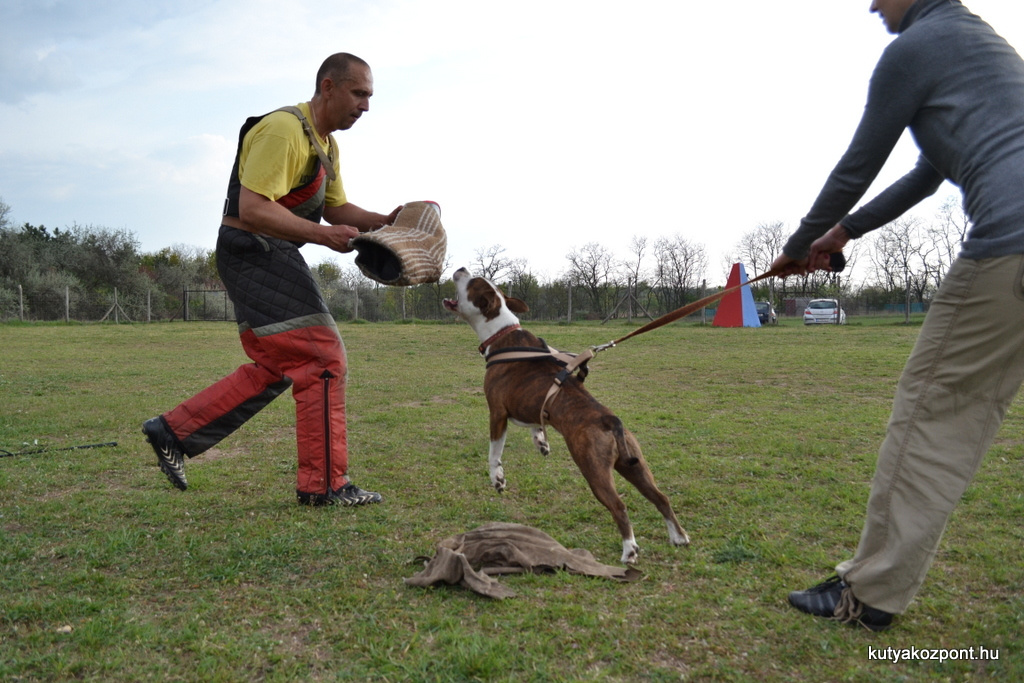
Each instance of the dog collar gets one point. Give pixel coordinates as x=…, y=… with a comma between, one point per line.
x=496, y=336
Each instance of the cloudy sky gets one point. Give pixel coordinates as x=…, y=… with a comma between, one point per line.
x=539, y=125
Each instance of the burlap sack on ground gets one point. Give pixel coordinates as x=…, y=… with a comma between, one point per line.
x=408, y=252
x=470, y=559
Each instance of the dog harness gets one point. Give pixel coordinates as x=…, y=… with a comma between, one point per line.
x=569, y=362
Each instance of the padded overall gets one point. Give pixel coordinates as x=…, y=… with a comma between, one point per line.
x=289, y=334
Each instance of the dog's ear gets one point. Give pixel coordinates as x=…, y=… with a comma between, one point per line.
x=516, y=305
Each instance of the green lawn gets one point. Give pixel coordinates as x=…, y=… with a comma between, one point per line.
x=764, y=439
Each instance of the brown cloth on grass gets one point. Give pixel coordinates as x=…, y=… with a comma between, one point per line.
x=470, y=559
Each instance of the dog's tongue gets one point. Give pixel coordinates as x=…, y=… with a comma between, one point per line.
x=450, y=304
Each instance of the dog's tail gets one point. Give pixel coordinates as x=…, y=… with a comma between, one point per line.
x=614, y=425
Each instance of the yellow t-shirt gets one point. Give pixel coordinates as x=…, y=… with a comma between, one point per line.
x=277, y=157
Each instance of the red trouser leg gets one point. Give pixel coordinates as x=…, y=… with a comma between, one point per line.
x=208, y=417
x=311, y=360
x=314, y=359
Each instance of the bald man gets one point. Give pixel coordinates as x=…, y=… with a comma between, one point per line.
x=285, y=183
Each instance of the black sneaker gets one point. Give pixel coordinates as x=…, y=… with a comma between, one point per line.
x=348, y=495
x=168, y=451
x=833, y=599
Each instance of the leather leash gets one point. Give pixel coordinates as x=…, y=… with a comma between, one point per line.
x=837, y=263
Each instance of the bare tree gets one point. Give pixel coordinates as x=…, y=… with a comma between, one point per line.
x=633, y=269
x=490, y=263
x=680, y=267
x=592, y=267
x=521, y=282
x=948, y=236
x=902, y=259
x=634, y=265
x=759, y=247
x=437, y=288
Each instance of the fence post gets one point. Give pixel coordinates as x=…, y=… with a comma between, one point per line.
x=184, y=304
x=67, y=304
x=703, y=293
x=568, y=315
x=149, y=305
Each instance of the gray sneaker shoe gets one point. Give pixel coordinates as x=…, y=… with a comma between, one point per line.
x=168, y=451
x=347, y=495
x=350, y=494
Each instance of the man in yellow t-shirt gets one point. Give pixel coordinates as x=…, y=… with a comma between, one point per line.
x=277, y=156
x=284, y=184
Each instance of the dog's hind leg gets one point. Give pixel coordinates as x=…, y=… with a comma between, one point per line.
x=599, y=477
x=633, y=468
x=604, y=491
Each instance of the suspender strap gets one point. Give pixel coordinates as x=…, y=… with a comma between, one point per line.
x=327, y=160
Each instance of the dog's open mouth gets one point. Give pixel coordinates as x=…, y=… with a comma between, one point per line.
x=451, y=304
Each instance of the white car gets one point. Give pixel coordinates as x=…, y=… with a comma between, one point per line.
x=823, y=312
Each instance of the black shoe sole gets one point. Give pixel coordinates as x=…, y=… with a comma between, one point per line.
x=174, y=473
x=334, y=498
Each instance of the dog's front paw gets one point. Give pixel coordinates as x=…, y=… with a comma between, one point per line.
x=540, y=440
x=498, y=480
x=630, y=552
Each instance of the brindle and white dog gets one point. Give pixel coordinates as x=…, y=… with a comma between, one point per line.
x=516, y=391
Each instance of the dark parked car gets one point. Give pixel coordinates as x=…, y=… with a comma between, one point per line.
x=765, y=313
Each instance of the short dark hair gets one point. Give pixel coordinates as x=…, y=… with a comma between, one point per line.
x=336, y=67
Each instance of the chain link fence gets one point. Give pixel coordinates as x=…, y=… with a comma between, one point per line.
x=370, y=303
x=114, y=306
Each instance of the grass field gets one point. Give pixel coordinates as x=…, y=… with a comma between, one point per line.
x=764, y=439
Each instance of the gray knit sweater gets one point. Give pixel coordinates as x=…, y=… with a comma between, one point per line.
x=959, y=87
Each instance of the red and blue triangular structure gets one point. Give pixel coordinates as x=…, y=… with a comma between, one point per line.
x=737, y=308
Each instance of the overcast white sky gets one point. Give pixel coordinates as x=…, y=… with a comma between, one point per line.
x=539, y=125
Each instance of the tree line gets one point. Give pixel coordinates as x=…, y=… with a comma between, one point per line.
x=45, y=273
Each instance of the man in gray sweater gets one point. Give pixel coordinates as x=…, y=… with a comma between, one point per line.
x=959, y=87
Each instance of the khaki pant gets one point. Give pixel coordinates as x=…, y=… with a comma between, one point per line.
x=961, y=377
